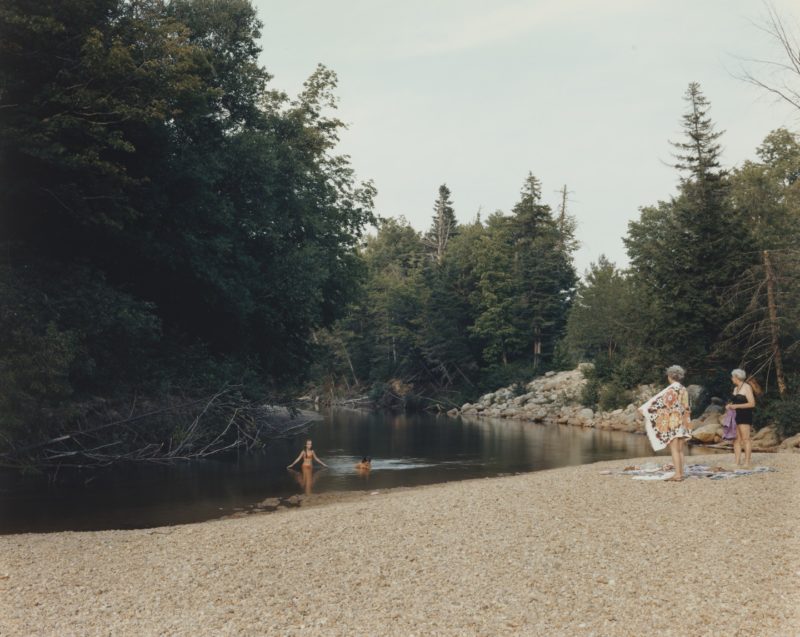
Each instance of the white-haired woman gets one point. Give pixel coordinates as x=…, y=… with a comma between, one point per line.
x=667, y=417
x=742, y=402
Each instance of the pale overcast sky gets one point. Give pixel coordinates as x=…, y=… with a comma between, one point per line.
x=585, y=93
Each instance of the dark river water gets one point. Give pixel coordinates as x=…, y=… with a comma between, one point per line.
x=407, y=450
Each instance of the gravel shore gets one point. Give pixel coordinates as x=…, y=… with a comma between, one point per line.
x=560, y=552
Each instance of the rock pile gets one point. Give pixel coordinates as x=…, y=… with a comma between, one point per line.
x=555, y=398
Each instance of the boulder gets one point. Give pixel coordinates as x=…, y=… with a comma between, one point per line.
x=586, y=414
x=713, y=418
x=766, y=437
x=708, y=434
x=790, y=444
x=504, y=394
x=698, y=398
x=632, y=418
x=714, y=408
x=453, y=412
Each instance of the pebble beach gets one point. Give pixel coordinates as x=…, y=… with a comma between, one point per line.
x=568, y=551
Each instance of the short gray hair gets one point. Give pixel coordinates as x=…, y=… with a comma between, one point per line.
x=739, y=373
x=676, y=372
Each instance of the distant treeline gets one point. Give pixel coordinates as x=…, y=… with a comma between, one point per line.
x=175, y=229
x=459, y=308
x=713, y=284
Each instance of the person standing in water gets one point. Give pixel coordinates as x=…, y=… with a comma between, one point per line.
x=742, y=402
x=308, y=456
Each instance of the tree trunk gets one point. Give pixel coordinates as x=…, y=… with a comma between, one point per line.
x=349, y=362
x=774, y=327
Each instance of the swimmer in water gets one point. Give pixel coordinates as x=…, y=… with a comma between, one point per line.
x=365, y=465
x=308, y=456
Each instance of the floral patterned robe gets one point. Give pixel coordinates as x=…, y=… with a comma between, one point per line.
x=667, y=415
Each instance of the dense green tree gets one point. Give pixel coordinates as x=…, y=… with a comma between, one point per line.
x=544, y=271
x=496, y=290
x=764, y=334
x=168, y=220
x=526, y=280
x=688, y=251
x=603, y=313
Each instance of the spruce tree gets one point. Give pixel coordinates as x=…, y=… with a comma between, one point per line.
x=444, y=225
x=543, y=271
x=526, y=281
x=710, y=246
x=687, y=252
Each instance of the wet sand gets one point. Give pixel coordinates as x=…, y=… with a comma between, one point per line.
x=560, y=552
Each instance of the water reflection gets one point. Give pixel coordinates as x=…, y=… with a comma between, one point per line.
x=306, y=478
x=406, y=450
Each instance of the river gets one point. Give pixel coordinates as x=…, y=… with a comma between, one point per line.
x=407, y=450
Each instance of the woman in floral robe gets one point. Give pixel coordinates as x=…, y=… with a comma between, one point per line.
x=667, y=418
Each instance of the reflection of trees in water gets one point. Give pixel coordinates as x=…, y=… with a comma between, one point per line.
x=496, y=444
x=543, y=446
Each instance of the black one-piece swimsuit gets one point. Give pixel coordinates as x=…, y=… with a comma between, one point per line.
x=743, y=416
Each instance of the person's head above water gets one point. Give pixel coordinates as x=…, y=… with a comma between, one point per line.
x=366, y=460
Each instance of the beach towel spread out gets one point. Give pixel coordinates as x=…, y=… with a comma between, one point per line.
x=666, y=416
x=653, y=471
x=729, y=425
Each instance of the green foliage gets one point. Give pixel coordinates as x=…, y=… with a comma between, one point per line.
x=783, y=413
x=170, y=222
x=602, y=317
x=680, y=251
x=525, y=282
x=485, y=308
x=444, y=226
x=609, y=381
x=590, y=393
x=613, y=395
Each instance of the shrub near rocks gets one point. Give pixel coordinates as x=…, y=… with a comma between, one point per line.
x=613, y=396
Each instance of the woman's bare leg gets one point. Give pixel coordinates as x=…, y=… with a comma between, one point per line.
x=737, y=445
x=748, y=443
x=674, y=449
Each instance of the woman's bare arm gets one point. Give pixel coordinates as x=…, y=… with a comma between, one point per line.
x=316, y=457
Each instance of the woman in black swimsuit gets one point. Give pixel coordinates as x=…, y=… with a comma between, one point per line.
x=743, y=401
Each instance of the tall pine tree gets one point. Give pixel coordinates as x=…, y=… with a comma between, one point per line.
x=444, y=226
x=690, y=248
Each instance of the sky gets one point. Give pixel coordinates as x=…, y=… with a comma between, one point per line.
x=583, y=93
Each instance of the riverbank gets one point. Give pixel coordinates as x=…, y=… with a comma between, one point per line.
x=561, y=552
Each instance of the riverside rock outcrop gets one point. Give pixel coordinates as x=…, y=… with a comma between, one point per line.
x=555, y=398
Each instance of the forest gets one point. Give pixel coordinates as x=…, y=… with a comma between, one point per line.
x=182, y=242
